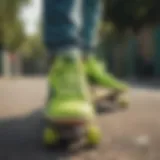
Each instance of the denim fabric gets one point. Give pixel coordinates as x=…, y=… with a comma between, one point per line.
x=70, y=23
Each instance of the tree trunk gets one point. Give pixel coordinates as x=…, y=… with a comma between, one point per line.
x=1, y=51
x=1, y=48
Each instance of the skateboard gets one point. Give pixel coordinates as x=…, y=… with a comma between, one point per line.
x=111, y=99
x=70, y=131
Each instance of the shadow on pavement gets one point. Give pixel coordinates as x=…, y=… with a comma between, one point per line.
x=20, y=139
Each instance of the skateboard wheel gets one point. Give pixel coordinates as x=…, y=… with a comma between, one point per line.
x=93, y=135
x=123, y=102
x=50, y=136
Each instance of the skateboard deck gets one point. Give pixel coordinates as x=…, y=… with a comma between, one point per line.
x=107, y=99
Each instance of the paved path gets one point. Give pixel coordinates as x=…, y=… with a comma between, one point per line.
x=129, y=135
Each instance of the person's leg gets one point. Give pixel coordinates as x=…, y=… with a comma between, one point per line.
x=91, y=14
x=69, y=98
x=92, y=10
x=61, y=24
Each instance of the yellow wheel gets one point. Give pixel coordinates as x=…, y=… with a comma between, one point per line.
x=93, y=135
x=50, y=137
x=123, y=102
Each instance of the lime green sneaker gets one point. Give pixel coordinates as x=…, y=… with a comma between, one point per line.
x=69, y=103
x=97, y=74
x=70, y=91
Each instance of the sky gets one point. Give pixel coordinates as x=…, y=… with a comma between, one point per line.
x=31, y=15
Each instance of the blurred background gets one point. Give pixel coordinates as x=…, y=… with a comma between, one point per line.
x=129, y=44
x=129, y=38
x=21, y=48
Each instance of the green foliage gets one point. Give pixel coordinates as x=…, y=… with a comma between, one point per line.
x=11, y=28
x=14, y=35
x=131, y=13
x=9, y=9
x=33, y=46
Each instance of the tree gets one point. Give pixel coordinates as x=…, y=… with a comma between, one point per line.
x=9, y=19
x=14, y=36
x=10, y=24
x=33, y=46
x=132, y=13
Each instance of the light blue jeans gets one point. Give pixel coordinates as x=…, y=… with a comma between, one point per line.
x=71, y=23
